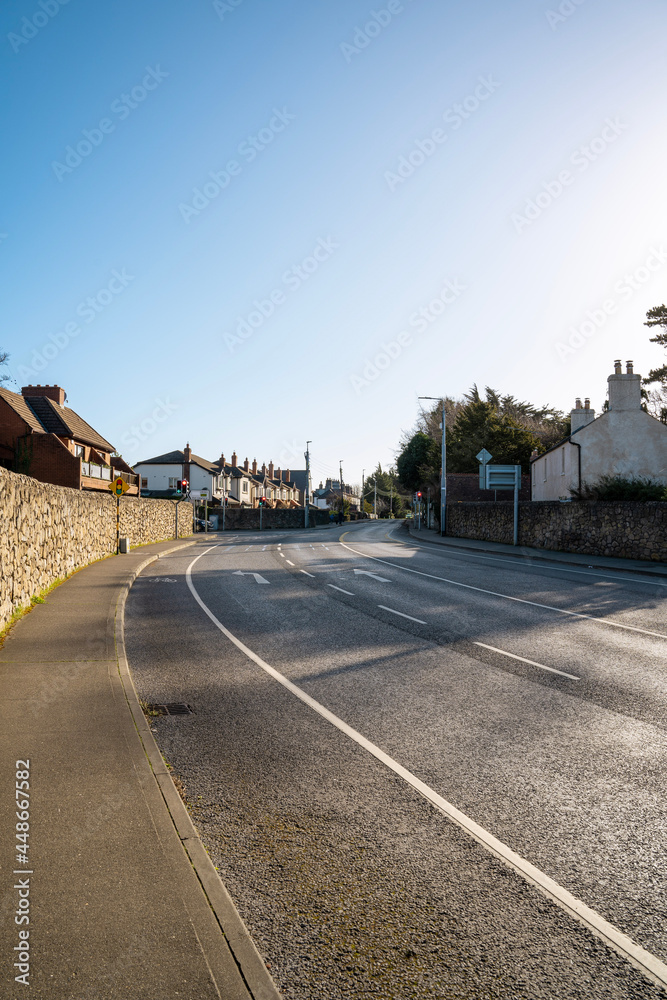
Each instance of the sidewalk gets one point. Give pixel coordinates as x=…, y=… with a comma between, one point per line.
x=522, y=552
x=123, y=899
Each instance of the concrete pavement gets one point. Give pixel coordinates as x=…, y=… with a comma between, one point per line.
x=120, y=897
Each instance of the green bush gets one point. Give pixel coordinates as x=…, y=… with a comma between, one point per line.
x=621, y=488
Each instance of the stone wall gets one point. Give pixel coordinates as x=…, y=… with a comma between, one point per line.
x=238, y=518
x=47, y=532
x=629, y=530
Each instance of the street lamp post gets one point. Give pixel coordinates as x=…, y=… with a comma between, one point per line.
x=443, y=470
x=363, y=507
x=306, y=517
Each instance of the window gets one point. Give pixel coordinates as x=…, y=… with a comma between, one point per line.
x=173, y=483
x=79, y=451
x=144, y=483
x=245, y=486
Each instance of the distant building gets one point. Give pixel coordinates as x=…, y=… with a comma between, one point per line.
x=624, y=440
x=161, y=475
x=328, y=496
x=43, y=438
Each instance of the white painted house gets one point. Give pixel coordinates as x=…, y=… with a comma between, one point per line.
x=624, y=440
x=164, y=472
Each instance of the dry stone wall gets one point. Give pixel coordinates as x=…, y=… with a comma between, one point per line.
x=47, y=532
x=628, y=530
x=238, y=518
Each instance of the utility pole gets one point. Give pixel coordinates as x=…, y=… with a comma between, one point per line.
x=306, y=515
x=375, y=497
x=443, y=470
x=363, y=502
x=342, y=505
x=391, y=498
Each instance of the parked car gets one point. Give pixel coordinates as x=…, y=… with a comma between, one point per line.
x=201, y=524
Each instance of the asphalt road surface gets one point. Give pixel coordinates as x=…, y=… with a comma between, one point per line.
x=410, y=764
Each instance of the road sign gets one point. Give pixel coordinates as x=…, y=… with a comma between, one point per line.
x=118, y=486
x=484, y=456
x=501, y=477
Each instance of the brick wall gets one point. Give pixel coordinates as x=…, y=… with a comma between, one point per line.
x=465, y=486
x=628, y=530
x=47, y=532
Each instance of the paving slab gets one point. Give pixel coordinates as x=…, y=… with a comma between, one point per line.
x=123, y=900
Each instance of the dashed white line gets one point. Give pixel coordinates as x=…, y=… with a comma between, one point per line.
x=524, y=660
x=282, y=555
x=401, y=614
x=307, y=574
x=289, y=562
x=508, y=597
x=648, y=964
x=334, y=587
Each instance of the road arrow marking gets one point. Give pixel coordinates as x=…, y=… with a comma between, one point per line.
x=364, y=572
x=258, y=578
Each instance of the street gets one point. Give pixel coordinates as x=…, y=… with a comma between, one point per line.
x=406, y=759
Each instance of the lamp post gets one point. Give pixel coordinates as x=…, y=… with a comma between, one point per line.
x=307, y=505
x=342, y=505
x=363, y=502
x=443, y=470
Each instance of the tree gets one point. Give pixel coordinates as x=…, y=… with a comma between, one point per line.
x=418, y=462
x=4, y=376
x=482, y=424
x=657, y=399
x=390, y=497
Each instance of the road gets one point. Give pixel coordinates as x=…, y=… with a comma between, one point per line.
x=411, y=763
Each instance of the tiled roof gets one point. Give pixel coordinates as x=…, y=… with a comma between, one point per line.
x=178, y=458
x=44, y=415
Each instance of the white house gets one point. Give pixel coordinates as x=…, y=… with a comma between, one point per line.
x=164, y=472
x=624, y=440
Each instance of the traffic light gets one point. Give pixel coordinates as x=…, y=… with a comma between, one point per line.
x=184, y=486
x=419, y=496
x=262, y=501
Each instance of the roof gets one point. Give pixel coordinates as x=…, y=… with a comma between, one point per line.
x=299, y=478
x=178, y=458
x=43, y=415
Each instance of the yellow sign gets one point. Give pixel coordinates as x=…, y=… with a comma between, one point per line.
x=118, y=486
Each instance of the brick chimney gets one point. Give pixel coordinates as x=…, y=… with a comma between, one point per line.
x=581, y=415
x=246, y=465
x=221, y=460
x=235, y=459
x=288, y=476
x=264, y=468
x=187, y=453
x=254, y=466
x=625, y=391
x=271, y=470
x=279, y=475
x=53, y=392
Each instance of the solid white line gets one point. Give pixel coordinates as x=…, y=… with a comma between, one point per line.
x=307, y=574
x=532, y=662
x=401, y=614
x=334, y=587
x=648, y=964
x=289, y=562
x=508, y=597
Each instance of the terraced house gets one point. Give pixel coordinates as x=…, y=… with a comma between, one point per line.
x=42, y=438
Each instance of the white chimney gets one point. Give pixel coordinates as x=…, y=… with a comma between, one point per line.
x=581, y=415
x=625, y=391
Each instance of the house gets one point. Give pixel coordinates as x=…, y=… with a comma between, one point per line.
x=624, y=440
x=162, y=474
x=327, y=497
x=43, y=438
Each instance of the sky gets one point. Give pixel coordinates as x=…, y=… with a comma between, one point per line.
x=245, y=224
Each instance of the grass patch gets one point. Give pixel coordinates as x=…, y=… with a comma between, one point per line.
x=20, y=612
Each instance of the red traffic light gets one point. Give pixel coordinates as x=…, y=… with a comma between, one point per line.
x=419, y=496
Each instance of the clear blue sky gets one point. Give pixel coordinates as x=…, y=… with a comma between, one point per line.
x=403, y=146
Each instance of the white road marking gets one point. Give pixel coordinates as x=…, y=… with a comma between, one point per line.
x=307, y=574
x=508, y=597
x=248, y=547
x=334, y=587
x=401, y=614
x=258, y=578
x=364, y=572
x=264, y=548
x=648, y=964
x=289, y=562
x=524, y=660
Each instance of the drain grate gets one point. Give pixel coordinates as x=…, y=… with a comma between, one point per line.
x=173, y=708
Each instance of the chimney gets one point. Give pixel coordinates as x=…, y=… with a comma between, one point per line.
x=246, y=465
x=629, y=368
x=625, y=391
x=221, y=460
x=581, y=415
x=53, y=392
x=264, y=468
x=288, y=476
x=187, y=453
x=234, y=459
x=279, y=475
x=270, y=470
x=254, y=466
